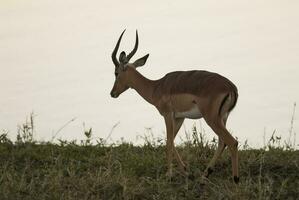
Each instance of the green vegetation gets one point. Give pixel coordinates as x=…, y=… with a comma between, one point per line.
x=67, y=170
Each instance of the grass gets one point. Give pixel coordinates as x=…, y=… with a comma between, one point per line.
x=68, y=170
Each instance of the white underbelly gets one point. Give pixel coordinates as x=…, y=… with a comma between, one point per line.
x=193, y=113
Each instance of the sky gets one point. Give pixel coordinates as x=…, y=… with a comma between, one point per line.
x=55, y=61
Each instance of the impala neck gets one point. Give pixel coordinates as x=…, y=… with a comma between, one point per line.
x=141, y=84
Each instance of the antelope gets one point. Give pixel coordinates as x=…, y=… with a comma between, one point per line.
x=178, y=95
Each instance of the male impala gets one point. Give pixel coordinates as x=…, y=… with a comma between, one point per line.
x=179, y=95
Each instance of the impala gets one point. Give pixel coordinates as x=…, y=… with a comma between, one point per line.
x=182, y=94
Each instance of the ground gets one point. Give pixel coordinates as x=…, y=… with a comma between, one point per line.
x=67, y=170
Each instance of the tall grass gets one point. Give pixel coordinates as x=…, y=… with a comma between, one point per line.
x=94, y=169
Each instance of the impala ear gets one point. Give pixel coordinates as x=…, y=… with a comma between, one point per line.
x=141, y=61
x=123, y=58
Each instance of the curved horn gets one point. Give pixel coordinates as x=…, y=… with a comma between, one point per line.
x=114, y=59
x=135, y=48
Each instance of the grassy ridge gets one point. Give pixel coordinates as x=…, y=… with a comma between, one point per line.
x=30, y=170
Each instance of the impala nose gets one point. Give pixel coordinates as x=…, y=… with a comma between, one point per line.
x=113, y=94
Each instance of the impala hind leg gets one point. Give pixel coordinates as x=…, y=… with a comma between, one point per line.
x=217, y=154
x=220, y=129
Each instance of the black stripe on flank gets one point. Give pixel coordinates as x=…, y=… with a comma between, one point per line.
x=235, y=101
x=222, y=104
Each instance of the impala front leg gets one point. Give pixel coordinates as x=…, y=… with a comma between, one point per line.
x=169, y=142
x=177, y=123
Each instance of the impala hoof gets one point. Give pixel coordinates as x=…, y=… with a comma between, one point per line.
x=236, y=179
x=207, y=172
x=210, y=171
x=191, y=177
x=169, y=174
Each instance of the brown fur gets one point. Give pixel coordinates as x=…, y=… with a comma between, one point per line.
x=195, y=82
x=179, y=95
x=180, y=91
x=201, y=84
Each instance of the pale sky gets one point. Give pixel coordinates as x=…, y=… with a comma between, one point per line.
x=55, y=59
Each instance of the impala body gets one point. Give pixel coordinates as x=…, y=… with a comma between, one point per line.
x=182, y=94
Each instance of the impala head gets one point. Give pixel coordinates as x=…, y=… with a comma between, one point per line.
x=121, y=66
